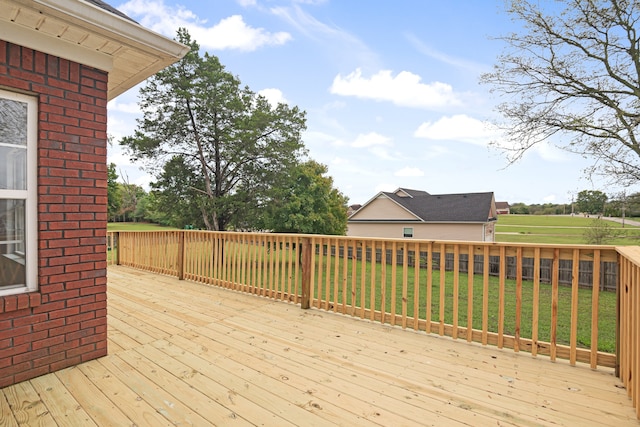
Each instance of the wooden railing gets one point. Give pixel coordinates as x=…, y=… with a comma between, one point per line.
x=628, y=345
x=395, y=292
x=426, y=285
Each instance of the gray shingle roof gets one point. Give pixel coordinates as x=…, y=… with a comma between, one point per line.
x=108, y=8
x=467, y=207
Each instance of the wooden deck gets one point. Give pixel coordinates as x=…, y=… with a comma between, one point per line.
x=188, y=354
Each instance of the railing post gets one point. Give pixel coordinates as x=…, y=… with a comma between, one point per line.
x=618, y=317
x=305, y=250
x=116, y=237
x=181, y=249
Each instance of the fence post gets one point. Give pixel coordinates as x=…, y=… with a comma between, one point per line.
x=181, y=248
x=305, y=250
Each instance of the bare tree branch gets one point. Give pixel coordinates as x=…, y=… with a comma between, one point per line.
x=572, y=79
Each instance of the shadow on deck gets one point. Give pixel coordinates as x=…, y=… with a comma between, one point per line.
x=182, y=353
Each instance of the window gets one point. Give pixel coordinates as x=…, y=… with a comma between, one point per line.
x=407, y=232
x=18, y=162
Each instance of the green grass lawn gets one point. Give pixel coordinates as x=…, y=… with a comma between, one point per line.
x=607, y=302
x=557, y=229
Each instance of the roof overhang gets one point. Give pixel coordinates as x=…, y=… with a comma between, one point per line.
x=87, y=34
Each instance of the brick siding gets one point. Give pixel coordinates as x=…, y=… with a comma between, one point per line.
x=64, y=322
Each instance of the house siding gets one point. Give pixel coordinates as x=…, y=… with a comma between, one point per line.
x=383, y=208
x=458, y=231
x=64, y=322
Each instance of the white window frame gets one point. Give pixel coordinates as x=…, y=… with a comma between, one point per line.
x=30, y=195
x=404, y=232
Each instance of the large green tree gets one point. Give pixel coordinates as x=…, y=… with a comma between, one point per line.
x=175, y=199
x=130, y=196
x=114, y=199
x=632, y=204
x=591, y=201
x=215, y=146
x=308, y=203
x=571, y=77
x=623, y=204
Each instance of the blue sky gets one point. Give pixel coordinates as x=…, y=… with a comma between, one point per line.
x=390, y=89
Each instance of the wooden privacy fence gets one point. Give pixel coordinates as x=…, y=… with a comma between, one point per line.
x=608, y=272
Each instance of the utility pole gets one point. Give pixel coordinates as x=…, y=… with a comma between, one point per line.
x=572, y=205
x=624, y=205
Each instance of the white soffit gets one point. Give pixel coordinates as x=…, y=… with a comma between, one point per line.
x=85, y=33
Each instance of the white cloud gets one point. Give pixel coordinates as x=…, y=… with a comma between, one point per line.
x=312, y=2
x=340, y=44
x=409, y=171
x=385, y=187
x=144, y=181
x=404, y=89
x=118, y=157
x=382, y=153
x=119, y=126
x=123, y=107
x=550, y=152
x=433, y=151
x=370, y=139
x=340, y=161
x=313, y=137
x=459, y=127
x=546, y=150
x=274, y=96
x=247, y=3
x=230, y=33
x=234, y=33
x=445, y=58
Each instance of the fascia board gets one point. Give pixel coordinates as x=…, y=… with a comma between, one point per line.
x=113, y=26
x=35, y=40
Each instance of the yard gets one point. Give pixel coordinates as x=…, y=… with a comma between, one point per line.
x=456, y=300
x=558, y=229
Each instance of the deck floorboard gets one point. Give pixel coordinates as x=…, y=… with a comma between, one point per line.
x=182, y=353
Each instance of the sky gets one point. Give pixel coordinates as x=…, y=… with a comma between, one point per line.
x=390, y=88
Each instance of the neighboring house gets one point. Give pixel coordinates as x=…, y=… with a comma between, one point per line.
x=503, y=208
x=407, y=213
x=61, y=61
x=353, y=209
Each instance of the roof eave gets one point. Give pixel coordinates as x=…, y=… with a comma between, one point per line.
x=156, y=51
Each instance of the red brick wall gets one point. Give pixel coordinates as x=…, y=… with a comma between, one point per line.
x=64, y=322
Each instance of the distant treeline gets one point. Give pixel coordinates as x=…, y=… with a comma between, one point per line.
x=536, y=209
x=593, y=202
